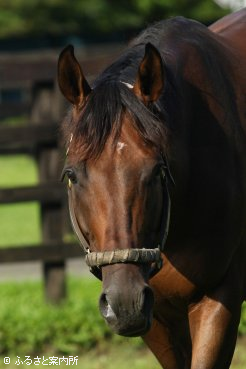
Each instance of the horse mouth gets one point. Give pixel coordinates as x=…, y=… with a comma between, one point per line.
x=131, y=326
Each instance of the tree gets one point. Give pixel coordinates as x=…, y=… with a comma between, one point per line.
x=96, y=17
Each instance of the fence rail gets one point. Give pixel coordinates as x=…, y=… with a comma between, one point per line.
x=46, y=193
x=52, y=252
x=27, y=136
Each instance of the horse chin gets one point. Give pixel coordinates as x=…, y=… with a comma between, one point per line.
x=131, y=326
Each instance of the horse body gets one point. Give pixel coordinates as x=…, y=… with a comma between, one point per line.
x=176, y=98
x=206, y=243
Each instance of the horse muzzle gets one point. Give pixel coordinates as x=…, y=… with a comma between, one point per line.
x=126, y=304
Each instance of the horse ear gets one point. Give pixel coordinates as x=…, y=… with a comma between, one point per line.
x=150, y=79
x=71, y=80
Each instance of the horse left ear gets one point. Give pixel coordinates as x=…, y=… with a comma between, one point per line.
x=71, y=79
x=150, y=78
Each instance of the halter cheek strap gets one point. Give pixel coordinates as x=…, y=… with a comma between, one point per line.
x=83, y=242
x=166, y=212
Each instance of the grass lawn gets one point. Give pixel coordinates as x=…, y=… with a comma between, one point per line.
x=127, y=357
x=19, y=223
x=29, y=327
x=17, y=170
x=111, y=357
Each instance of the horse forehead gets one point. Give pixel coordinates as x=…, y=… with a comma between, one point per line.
x=120, y=146
x=121, y=159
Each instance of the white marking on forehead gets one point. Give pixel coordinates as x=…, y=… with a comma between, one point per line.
x=120, y=146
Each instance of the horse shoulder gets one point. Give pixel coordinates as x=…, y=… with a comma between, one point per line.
x=233, y=29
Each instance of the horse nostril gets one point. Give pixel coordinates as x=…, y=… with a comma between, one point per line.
x=105, y=308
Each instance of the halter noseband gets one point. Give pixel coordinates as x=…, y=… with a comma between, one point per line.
x=95, y=260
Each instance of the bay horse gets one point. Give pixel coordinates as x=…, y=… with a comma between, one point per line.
x=156, y=167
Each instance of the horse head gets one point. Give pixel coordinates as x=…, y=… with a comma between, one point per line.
x=117, y=184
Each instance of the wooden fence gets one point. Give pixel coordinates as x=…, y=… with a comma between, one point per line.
x=40, y=138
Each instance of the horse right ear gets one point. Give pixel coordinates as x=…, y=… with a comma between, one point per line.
x=71, y=79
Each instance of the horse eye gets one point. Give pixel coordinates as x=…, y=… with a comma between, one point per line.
x=71, y=175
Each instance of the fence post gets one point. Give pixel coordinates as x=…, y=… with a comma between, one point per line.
x=49, y=164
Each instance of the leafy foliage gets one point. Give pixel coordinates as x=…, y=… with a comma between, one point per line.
x=28, y=325
x=242, y=325
x=94, y=17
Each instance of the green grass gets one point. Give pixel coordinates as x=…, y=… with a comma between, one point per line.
x=106, y=357
x=15, y=121
x=242, y=325
x=239, y=359
x=127, y=356
x=19, y=223
x=118, y=356
x=115, y=356
x=17, y=170
x=29, y=327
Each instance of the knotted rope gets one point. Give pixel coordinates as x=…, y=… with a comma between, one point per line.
x=140, y=256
